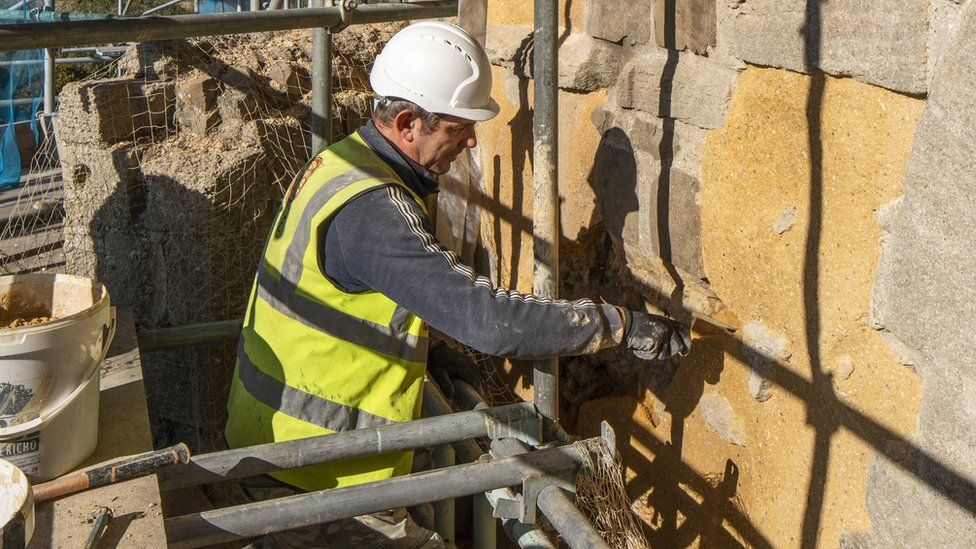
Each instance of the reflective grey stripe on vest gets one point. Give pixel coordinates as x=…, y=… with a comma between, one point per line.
x=291, y=268
x=298, y=404
x=382, y=339
x=400, y=321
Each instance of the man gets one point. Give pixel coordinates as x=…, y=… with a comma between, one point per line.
x=335, y=334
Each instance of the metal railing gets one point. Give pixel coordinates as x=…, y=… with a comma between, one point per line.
x=66, y=32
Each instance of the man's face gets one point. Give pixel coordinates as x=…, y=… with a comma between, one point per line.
x=437, y=149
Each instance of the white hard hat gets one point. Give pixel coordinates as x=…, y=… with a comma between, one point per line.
x=439, y=67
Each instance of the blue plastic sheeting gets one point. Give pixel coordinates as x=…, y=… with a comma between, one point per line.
x=21, y=78
x=222, y=6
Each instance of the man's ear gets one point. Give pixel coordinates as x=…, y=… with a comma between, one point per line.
x=403, y=124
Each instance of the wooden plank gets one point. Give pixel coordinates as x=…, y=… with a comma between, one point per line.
x=18, y=248
x=41, y=250
x=39, y=200
x=123, y=429
x=37, y=184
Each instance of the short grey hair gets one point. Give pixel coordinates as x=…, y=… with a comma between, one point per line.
x=387, y=108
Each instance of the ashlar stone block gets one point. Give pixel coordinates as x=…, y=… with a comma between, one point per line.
x=881, y=43
x=670, y=84
x=621, y=21
x=945, y=17
x=647, y=204
x=925, y=295
x=587, y=64
x=507, y=46
x=685, y=24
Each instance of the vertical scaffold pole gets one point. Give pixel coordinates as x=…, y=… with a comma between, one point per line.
x=321, y=86
x=49, y=71
x=485, y=536
x=443, y=456
x=545, y=225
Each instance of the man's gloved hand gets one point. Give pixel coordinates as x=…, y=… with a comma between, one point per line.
x=654, y=337
x=445, y=364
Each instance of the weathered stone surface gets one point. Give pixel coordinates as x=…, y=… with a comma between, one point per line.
x=116, y=258
x=717, y=412
x=101, y=186
x=290, y=79
x=217, y=180
x=669, y=84
x=685, y=24
x=199, y=93
x=153, y=107
x=507, y=46
x=614, y=178
x=112, y=111
x=881, y=43
x=95, y=112
x=844, y=367
x=587, y=64
x=236, y=105
x=925, y=295
x=620, y=21
x=785, y=221
x=196, y=99
x=154, y=60
x=944, y=19
x=647, y=204
x=763, y=349
x=756, y=166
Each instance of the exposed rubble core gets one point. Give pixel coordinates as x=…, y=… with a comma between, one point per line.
x=173, y=171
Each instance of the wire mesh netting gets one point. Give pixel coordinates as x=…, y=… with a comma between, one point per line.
x=173, y=161
x=496, y=390
x=600, y=494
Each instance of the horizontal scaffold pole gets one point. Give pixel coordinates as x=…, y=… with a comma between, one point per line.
x=278, y=456
x=559, y=506
x=208, y=333
x=26, y=36
x=263, y=517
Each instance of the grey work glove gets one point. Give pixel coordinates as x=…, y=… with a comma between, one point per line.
x=654, y=337
x=446, y=364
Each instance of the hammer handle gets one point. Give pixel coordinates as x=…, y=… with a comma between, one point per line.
x=119, y=470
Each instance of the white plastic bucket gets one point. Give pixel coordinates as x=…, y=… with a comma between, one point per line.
x=49, y=378
x=16, y=507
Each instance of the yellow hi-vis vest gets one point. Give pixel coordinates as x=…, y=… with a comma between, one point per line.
x=314, y=359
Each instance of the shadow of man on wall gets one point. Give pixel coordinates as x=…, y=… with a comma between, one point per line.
x=166, y=275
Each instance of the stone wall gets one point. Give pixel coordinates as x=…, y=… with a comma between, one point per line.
x=802, y=170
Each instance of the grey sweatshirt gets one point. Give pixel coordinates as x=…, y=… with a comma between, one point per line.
x=382, y=240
